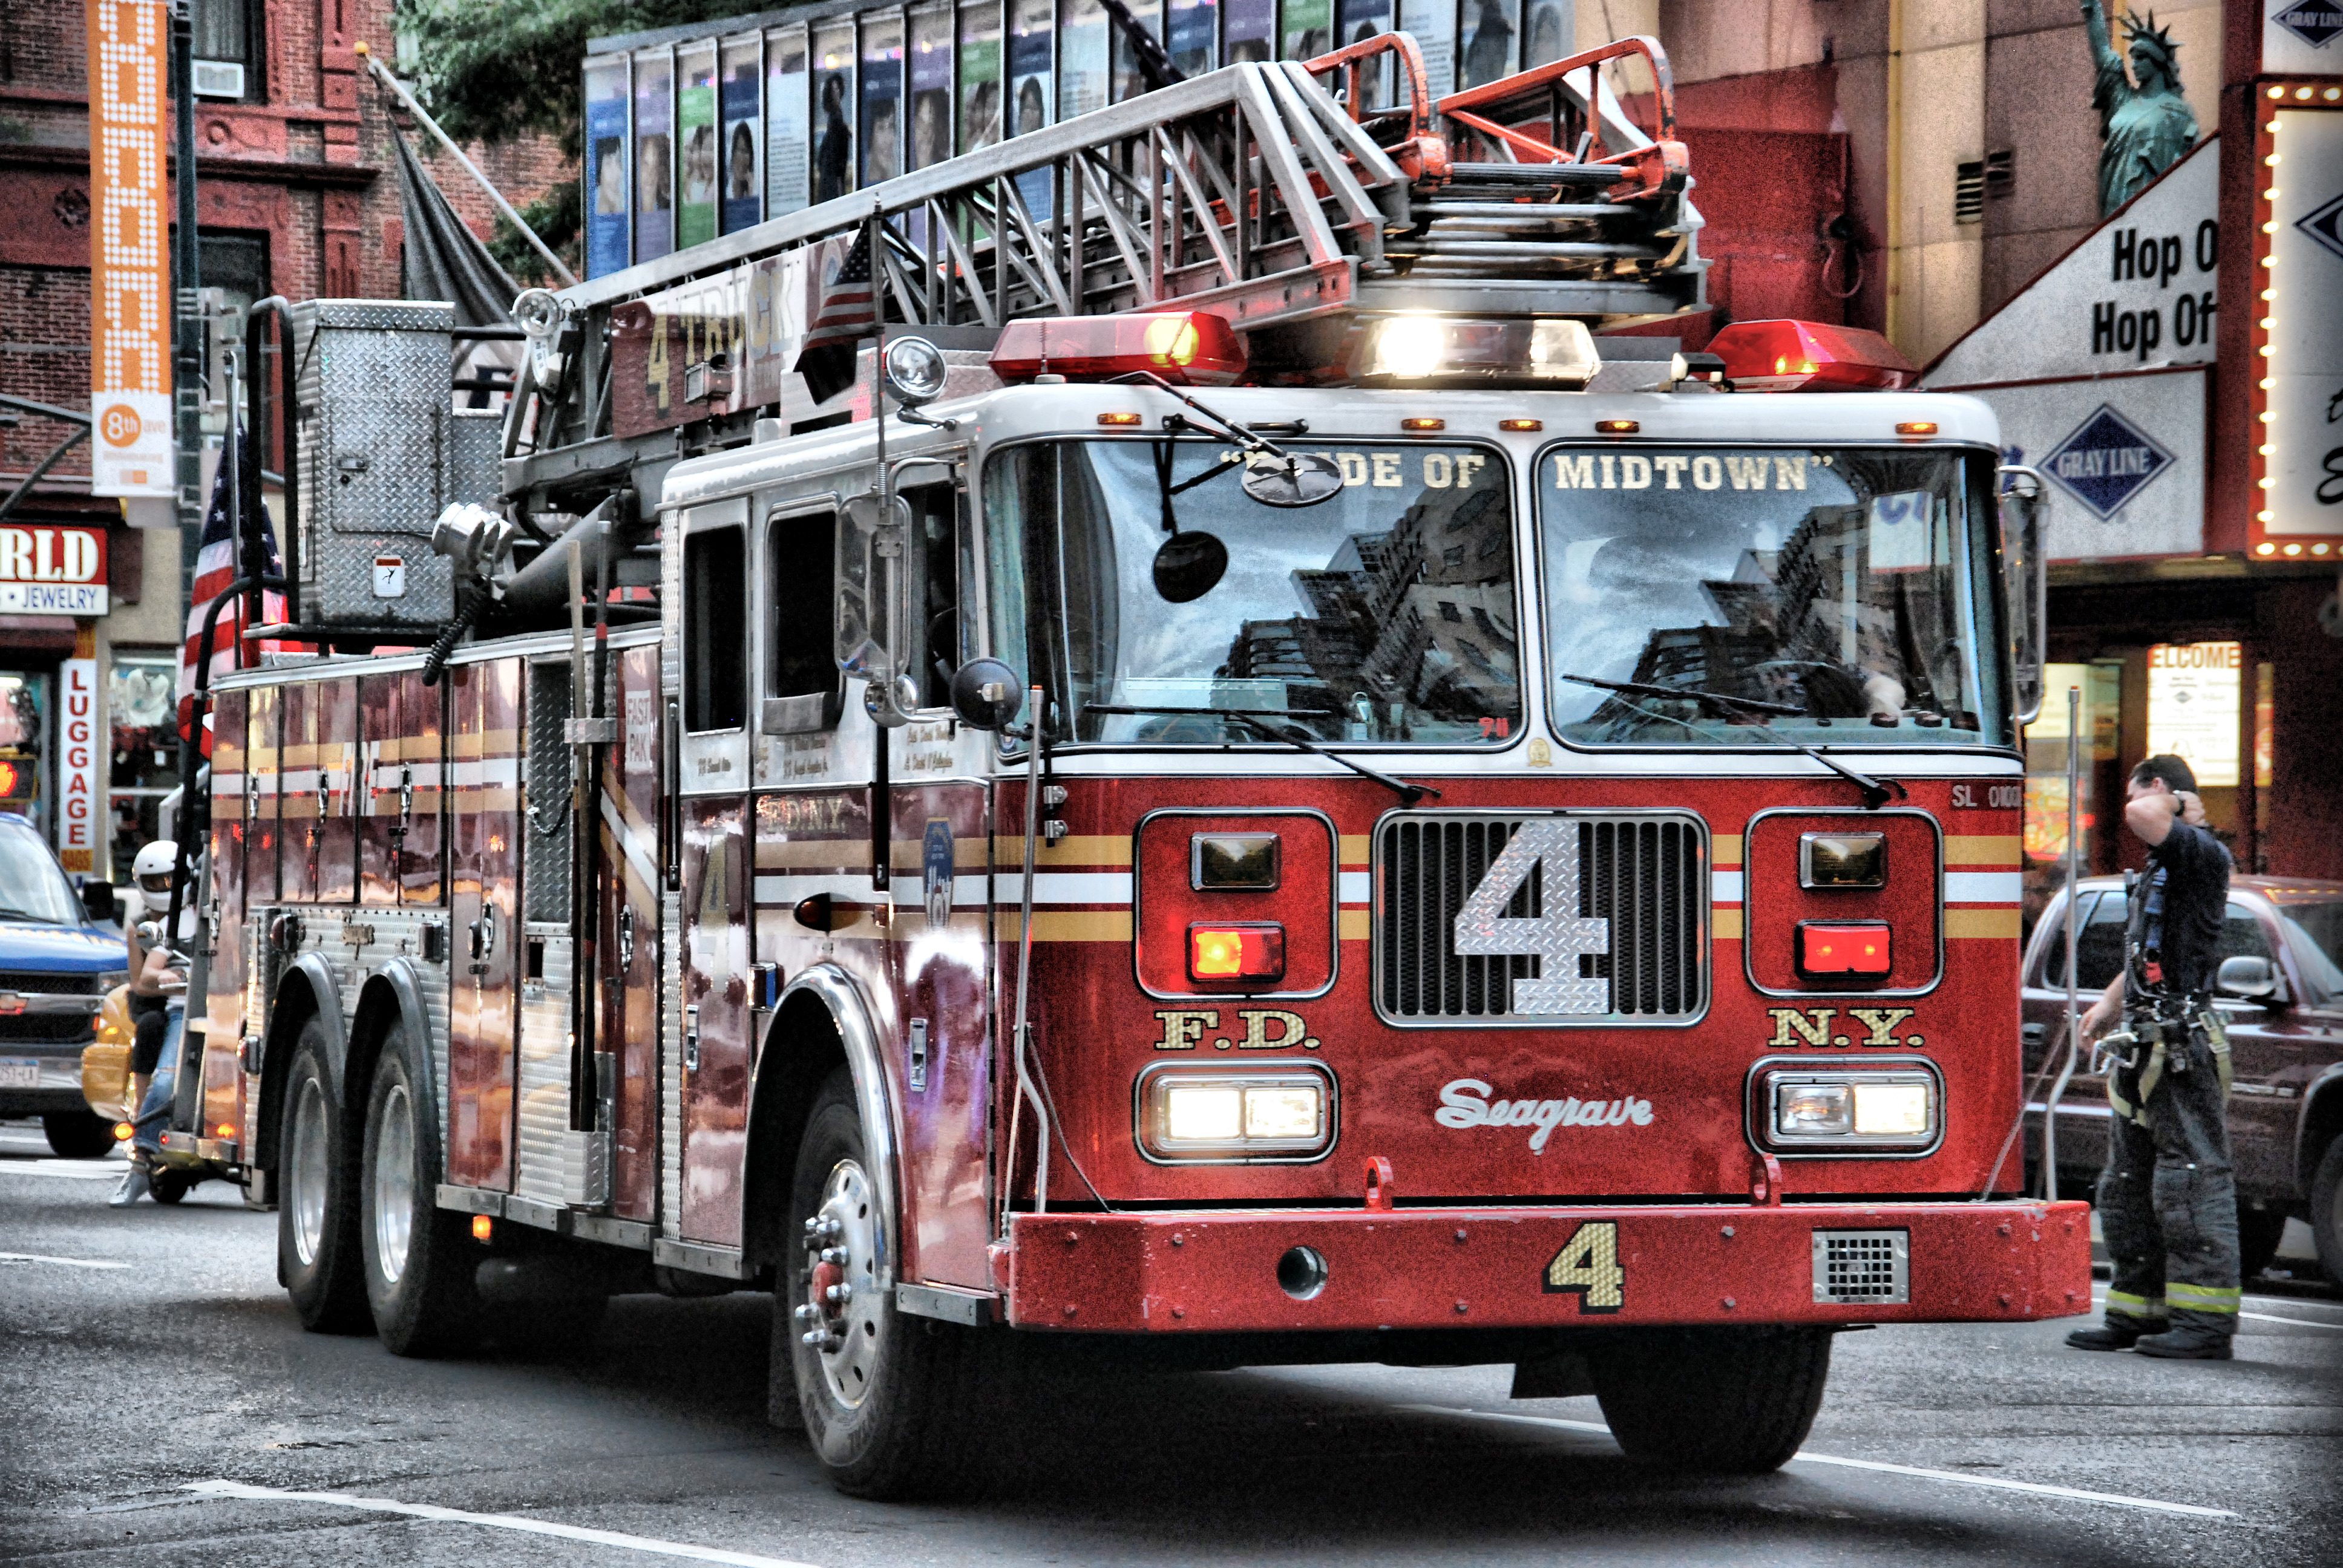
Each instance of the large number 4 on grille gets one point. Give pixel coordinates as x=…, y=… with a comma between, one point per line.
x=1558, y=936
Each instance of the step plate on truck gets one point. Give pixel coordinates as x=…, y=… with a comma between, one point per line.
x=1486, y=1268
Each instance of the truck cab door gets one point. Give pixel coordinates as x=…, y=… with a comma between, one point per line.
x=712, y=750
x=483, y=1016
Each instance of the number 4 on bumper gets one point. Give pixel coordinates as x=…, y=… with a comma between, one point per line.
x=1588, y=1267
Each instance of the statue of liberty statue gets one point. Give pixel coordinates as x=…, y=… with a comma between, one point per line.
x=2143, y=128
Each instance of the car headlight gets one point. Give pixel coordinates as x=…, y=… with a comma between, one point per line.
x=1235, y=1114
x=1813, y=1111
x=108, y=979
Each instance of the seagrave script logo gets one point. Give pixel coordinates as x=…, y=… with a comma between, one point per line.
x=1465, y=1102
x=2322, y=224
x=2312, y=21
x=2105, y=462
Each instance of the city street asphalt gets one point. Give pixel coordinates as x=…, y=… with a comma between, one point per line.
x=159, y=1402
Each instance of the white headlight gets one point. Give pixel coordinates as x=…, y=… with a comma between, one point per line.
x=1223, y=1114
x=1891, y=1110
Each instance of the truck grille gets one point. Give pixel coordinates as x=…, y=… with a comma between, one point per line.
x=1645, y=876
x=49, y=982
x=46, y=1028
x=1863, y=1266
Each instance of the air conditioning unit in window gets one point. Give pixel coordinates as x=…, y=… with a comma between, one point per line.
x=219, y=79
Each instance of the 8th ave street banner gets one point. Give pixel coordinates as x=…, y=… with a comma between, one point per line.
x=129, y=251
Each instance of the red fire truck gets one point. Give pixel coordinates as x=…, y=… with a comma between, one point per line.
x=1283, y=801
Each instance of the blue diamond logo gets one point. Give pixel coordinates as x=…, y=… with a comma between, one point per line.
x=2312, y=21
x=2105, y=462
x=2321, y=226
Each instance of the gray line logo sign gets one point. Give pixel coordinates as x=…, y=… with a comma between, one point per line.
x=2105, y=461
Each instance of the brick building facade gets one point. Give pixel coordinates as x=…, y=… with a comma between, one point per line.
x=298, y=194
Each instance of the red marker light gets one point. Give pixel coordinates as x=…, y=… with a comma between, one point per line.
x=1848, y=949
x=1809, y=357
x=1187, y=348
x=1248, y=952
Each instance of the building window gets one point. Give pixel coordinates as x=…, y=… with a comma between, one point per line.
x=227, y=52
x=142, y=711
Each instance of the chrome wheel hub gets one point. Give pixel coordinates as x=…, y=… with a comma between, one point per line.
x=305, y=1171
x=394, y=1184
x=840, y=1316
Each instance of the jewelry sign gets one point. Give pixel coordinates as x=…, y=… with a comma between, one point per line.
x=130, y=252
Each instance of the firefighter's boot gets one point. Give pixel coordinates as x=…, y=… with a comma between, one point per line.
x=2111, y=1335
x=2185, y=1343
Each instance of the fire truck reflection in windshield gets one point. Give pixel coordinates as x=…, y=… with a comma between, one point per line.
x=1387, y=614
x=1841, y=582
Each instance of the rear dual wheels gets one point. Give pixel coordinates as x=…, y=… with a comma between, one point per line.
x=1735, y=1402
x=887, y=1401
x=317, y=1210
x=418, y=1259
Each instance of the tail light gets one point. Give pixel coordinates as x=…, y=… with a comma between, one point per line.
x=1247, y=952
x=1835, y=951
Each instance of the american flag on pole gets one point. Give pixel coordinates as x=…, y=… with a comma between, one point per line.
x=216, y=569
x=848, y=312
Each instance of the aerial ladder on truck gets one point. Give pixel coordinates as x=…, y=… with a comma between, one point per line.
x=1076, y=825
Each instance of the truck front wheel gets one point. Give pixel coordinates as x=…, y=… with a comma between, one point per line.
x=1735, y=1402
x=419, y=1259
x=317, y=1210
x=885, y=1399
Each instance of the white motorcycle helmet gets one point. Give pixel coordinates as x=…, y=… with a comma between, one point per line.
x=152, y=871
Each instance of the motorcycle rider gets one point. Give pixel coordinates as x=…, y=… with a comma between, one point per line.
x=157, y=978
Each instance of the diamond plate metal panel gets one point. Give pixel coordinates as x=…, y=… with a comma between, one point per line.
x=543, y=1084
x=545, y=863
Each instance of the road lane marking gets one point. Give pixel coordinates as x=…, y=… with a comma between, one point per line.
x=237, y=1489
x=67, y=1262
x=82, y=1170
x=1802, y=1457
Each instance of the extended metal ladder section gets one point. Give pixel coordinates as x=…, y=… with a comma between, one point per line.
x=1288, y=198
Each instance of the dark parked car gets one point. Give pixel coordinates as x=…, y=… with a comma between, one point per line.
x=58, y=962
x=2280, y=989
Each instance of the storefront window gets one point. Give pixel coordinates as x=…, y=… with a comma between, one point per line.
x=2047, y=742
x=20, y=743
x=140, y=703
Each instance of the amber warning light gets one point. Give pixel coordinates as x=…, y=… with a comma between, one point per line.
x=1187, y=348
x=1227, y=953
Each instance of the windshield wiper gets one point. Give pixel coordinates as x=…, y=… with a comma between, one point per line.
x=1285, y=734
x=1875, y=793
x=8, y=912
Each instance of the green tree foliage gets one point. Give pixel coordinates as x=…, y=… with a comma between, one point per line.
x=494, y=70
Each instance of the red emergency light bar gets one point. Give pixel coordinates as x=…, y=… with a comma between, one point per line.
x=1187, y=348
x=1809, y=357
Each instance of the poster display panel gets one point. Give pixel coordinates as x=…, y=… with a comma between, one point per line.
x=606, y=167
x=1127, y=81
x=787, y=144
x=654, y=154
x=1307, y=28
x=1193, y=36
x=1033, y=91
x=1489, y=31
x=931, y=87
x=1546, y=33
x=695, y=221
x=1249, y=31
x=980, y=74
x=740, y=136
x=1434, y=22
x=882, y=97
x=2301, y=481
x=833, y=112
x=1085, y=53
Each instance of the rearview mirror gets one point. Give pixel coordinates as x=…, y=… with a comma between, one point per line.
x=2027, y=579
x=871, y=532
x=986, y=694
x=2253, y=978
x=98, y=901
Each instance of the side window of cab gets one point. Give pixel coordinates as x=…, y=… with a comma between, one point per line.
x=804, y=690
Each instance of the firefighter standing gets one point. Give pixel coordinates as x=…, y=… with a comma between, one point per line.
x=2168, y=1200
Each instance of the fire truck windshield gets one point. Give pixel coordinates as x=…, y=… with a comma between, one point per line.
x=1848, y=584
x=1385, y=615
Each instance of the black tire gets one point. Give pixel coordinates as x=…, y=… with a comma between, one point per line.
x=78, y=1134
x=418, y=1259
x=317, y=1209
x=2260, y=1231
x=168, y=1186
x=1731, y=1401
x=887, y=1409
x=2326, y=1210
